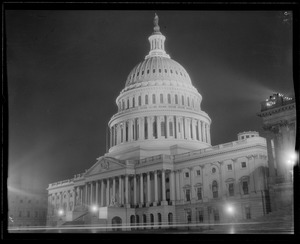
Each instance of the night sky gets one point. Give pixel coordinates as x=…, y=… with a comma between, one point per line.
x=66, y=68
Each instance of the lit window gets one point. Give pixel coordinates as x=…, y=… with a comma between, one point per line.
x=243, y=164
x=229, y=167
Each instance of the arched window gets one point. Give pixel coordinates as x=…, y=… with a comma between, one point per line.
x=133, y=102
x=161, y=98
x=137, y=218
x=153, y=99
x=188, y=99
x=170, y=218
x=123, y=104
x=152, y=219
x=140, y=100
x=159, y=218
x=182, y=100
x=176, y=99
x=127, y=103
x=146, y=99
x=215, y=189
x=171, y=128
x=132, y=220
x=169, y=98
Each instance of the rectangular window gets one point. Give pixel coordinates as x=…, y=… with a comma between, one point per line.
x=245, y=187
x=188, y=195
x=187, y=175
x=188, y=215
x=216, y=215
x=198, y=172
x=199, y=193
x=161, y=98
x=231, y=189
x=243, y=164
x=200, y=216
x=248, y=213
x=229, y=167
x=162, y=128
x=170, y=128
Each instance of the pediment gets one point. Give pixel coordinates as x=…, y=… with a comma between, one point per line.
x=105, y=164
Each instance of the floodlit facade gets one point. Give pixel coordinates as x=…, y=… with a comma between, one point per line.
x=161, y=169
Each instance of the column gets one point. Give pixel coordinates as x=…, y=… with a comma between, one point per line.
x=102, y=193
x=172, y=187
x=194, y=129
x=177, y=186
x=185, y=128
x=114, y=189
x=199, y=130
x=86, y=194
x=158, y=127
x=150, y=127
x=141, y=189
x=148, y=188
x=97, y=189
x=130, y=132
x=167, y=132
x=163, y=179
x=91, y=196
x=141, y=129
x=124, y=131
x=203, y=131
x=134, y=190
x=208, y=134
x=155, y=187
x=126, y=191
x=107, y=192
x=120, y=190
x=182, y=128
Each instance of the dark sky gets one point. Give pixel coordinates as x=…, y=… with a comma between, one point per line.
x=66, y=68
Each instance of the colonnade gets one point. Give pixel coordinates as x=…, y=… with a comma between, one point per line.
x=144, y=189
x=157, y=127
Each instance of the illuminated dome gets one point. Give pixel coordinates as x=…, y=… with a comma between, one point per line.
x=159, y=110
x=158, y=68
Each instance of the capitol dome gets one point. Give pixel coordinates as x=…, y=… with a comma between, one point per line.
x=159, y=110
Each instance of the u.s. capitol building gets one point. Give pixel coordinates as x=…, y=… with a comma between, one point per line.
x=161, y=168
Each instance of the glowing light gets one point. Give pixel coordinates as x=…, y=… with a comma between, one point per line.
x=292, y=158
x=229, y=209
x=60, y=212
x=94, y=208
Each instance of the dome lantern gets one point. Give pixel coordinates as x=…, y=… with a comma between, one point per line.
x=157, y=42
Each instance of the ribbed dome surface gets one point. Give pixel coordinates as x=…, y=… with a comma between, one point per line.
x=158, y=68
